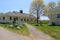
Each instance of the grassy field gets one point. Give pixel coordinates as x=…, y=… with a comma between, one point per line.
x=23, y=31
x=53, y=31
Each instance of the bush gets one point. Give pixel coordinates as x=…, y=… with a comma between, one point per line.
x=11, y=26
x=18, y=27
x=15, y=25
x=22, y=25
x=44, y=21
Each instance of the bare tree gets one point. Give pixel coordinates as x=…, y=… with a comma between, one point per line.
x=51, y=5
x=37, y=8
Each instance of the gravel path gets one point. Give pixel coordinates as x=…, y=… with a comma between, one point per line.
x=7, y=35
x=38, y=35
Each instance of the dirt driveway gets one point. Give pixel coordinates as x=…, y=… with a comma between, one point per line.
x=7, y=35
x=38, y=35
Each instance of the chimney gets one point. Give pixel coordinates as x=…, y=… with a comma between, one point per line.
x=21, y=11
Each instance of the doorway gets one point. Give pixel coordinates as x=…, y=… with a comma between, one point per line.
x=14, y=19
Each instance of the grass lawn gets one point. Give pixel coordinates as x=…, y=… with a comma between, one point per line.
x=53, y=31
x=24, y=31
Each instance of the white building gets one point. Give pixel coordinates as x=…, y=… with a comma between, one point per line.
x=17, y=17
x=54, y=16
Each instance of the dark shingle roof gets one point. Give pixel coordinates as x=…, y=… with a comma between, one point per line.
x=16, y=14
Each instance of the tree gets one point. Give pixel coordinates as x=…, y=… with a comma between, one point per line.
x=37, y=8
x=46, y=11
x=51, y=5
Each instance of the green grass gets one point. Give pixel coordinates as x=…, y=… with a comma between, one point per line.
x=53, y=31
x=23, y=31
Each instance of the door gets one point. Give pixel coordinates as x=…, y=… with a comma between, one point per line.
x=14, y=19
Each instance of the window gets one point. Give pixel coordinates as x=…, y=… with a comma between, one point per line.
x=58, y=15
x=27, y=19
x=10, y=18
x=24, y=19
x=31, y=19
x=3, y=18
x=0, y=18
x=21, y=19
x=16, y=18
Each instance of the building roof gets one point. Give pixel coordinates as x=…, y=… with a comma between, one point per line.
x=17, y=14
x=57, y=9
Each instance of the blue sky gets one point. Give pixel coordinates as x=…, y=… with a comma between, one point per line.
x=16, y=5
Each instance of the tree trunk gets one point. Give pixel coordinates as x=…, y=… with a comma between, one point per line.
x=37, y=17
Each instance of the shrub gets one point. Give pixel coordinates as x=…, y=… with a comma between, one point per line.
x=11, y=26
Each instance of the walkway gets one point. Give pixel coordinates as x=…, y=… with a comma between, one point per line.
x=38, y=35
